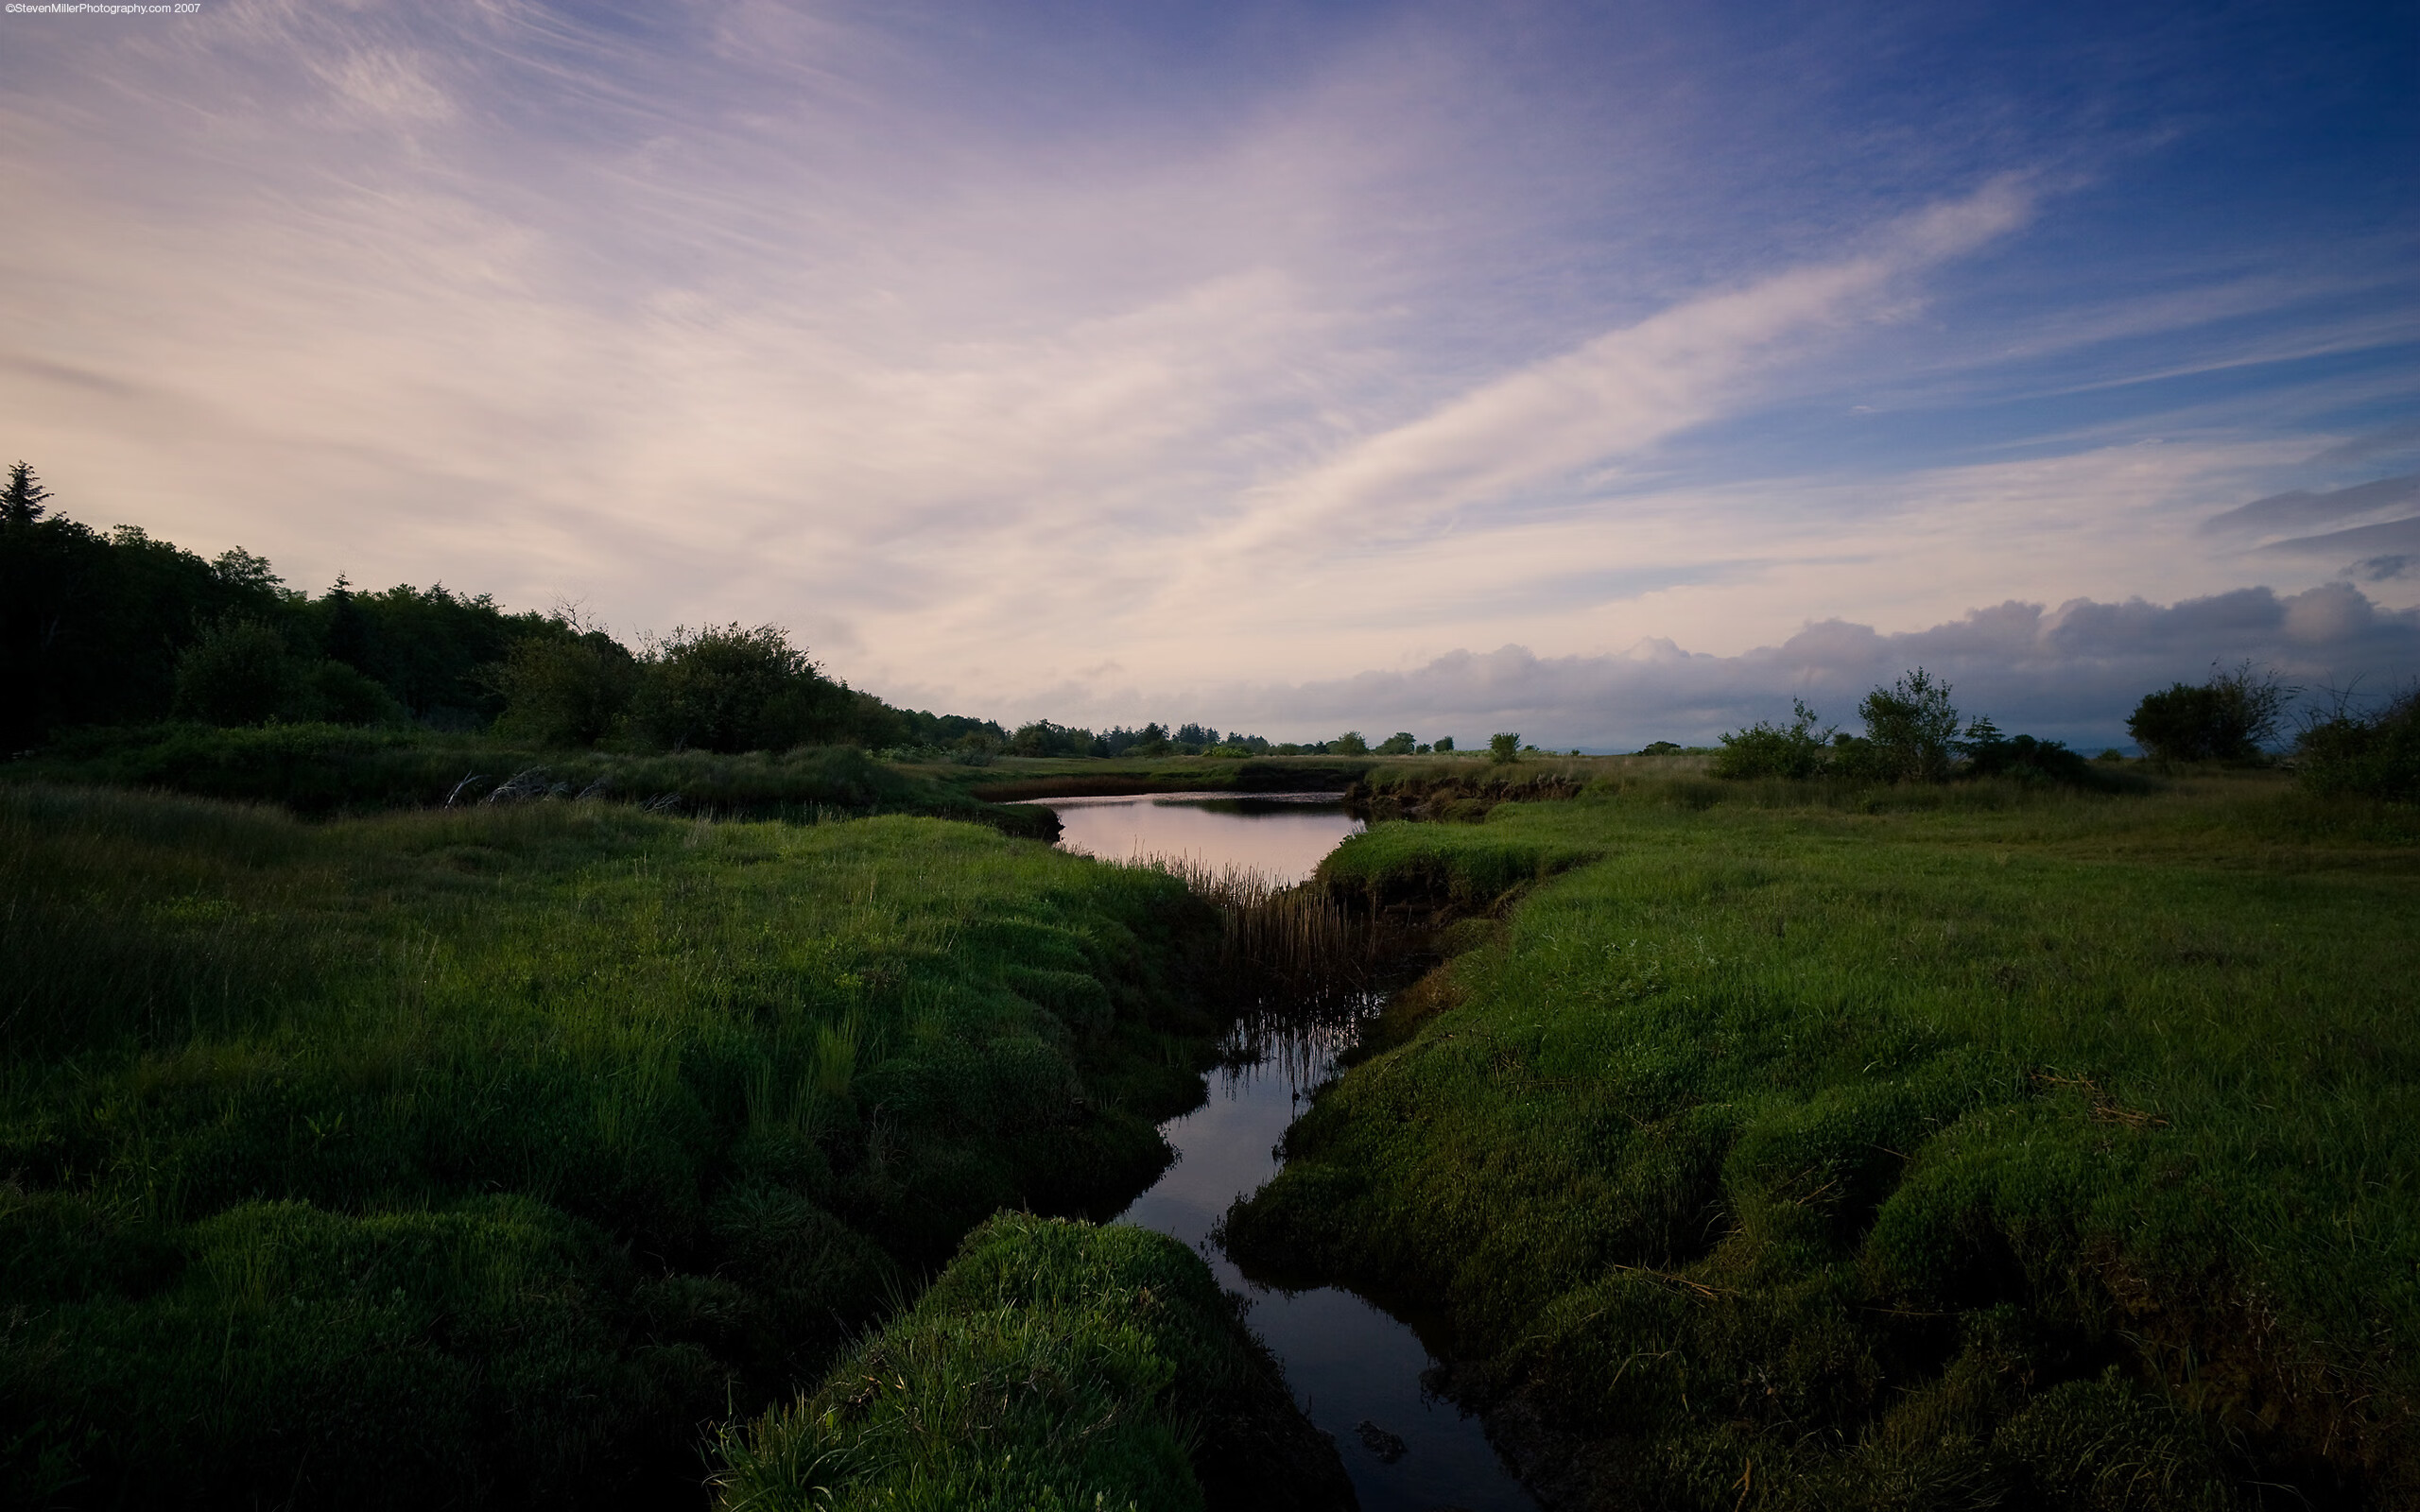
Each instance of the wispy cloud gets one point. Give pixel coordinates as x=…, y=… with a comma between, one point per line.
x=1101, y=364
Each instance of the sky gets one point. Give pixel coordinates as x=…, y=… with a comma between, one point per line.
x=1603, y=372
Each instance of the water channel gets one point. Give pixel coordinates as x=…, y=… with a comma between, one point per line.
x=1356, y=1371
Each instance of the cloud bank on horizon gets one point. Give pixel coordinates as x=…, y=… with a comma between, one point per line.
x=1259, y=363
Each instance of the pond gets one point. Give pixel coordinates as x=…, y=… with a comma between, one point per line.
x=1356, y=1371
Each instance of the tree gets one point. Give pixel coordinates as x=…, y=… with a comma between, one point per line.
x=2375, y=753
x=1767, y=750
x=2227, y=718
x=729, y=689
x=1398, y=744
x=1350, y=743
x=1503, y=747
x=239, y=672
x=1444, y=745
x=570, y=688
x=21, y=503
x=1912, y=728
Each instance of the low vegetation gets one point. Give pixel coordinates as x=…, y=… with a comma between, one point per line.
x=490, y=1155
x=320, y=770
x=1054, y=1366
x=1778, y=1143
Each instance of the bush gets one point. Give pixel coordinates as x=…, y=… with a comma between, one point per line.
x=1912, y=728
x=731, y=690
x=1445, y=746
x=2377, y=755
x=2227, y=719
x=334, y=694
x=1350, y=743
x=1503, y=747
x=566, y=690
x=1398, y=744
x=238, y=672
x=1767, y=750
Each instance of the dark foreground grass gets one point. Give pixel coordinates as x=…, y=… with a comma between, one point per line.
x=1054, y=1366
x=326, y=769
x=1966, y=1148
x=493, y=1156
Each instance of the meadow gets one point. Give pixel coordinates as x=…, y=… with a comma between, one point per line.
x=1794, y=1145
x=499, y=1155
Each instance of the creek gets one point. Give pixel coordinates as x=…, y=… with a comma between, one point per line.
x=1357, y=1371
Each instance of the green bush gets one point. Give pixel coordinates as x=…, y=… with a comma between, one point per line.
x=1793, y=750
x=728, y=688
x=1349, y=744
x=1503, y=747
x=2375, y=754
x=237, y=672
x=569, y=689
x=2228, y=718
x=1912, y=729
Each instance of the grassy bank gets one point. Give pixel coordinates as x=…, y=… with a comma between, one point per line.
x=327, y=769
x=492, y=1156
x=1787, y=1147
x=1054, y=1366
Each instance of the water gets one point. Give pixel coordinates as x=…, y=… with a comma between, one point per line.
x=1282, y=834
x=1350, y=1364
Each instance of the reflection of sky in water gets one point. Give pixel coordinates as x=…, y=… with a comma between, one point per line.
x=1348, y=1362
x=1282, y=836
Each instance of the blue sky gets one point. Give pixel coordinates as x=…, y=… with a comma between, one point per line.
x=1607, y=372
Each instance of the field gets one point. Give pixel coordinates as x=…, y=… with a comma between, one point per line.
x=497, y=1155
x=1783, y=1146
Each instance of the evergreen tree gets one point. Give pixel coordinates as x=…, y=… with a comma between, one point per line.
x=21, y=503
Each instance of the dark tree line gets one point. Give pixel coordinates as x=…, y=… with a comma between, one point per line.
x=119, y=629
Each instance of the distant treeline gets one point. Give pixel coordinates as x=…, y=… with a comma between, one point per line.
x=113, y=629
x=120, y=629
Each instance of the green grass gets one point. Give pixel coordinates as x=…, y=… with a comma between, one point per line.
x=490, y=1156
x=328, y=769
x=1053, y=1366
x=1945, y=1147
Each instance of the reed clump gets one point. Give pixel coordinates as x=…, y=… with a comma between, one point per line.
x=1291, y=949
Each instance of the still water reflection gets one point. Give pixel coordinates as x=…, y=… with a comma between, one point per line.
x=1282, y=834
x=1356, y=1371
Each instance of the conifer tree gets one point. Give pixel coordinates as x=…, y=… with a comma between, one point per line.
x=21, y=503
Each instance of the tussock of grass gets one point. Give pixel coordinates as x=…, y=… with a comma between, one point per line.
x=479, y=1155
x=1053, y=1366
x=2023, y=1147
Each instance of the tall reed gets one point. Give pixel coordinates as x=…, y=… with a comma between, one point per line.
x=1286, y=950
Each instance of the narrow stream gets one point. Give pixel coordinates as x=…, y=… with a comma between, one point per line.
x=1356, y=1371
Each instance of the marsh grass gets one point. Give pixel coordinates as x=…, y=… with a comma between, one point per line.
x=476, y=1155
x=1053, y=1365
x=2012, y=1145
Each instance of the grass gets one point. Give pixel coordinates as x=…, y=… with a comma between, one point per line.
x=328, y=769
x=487, y=1155
x=1053, y=1366
x=1786, y=1145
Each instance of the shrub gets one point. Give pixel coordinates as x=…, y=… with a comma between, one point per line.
x=1445, y=746
x=1913, y=727
x=238, y=673
x=1350, y=743
x=731, y=690
x=334, y=694
x=1767, y=750
x=2227, y=718
x=1503, y=747
x=2375, y=754
x=566, y=690
x=1398, y=744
